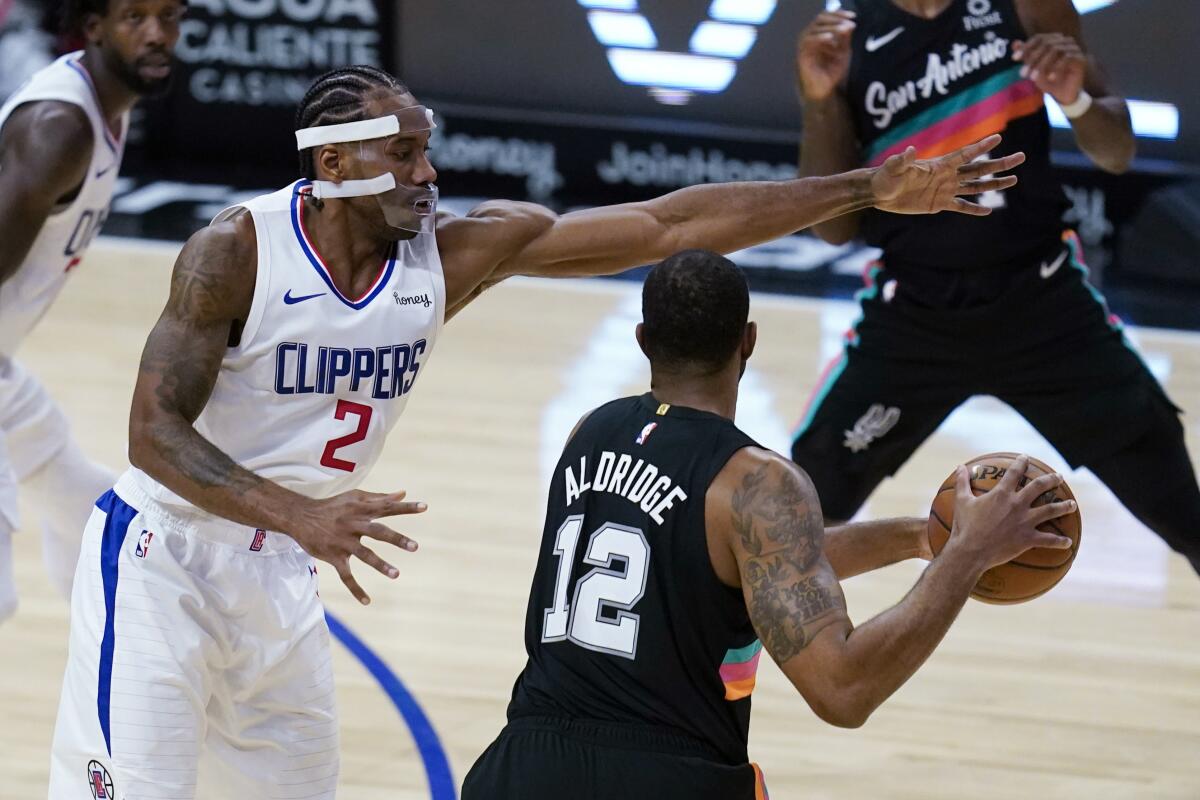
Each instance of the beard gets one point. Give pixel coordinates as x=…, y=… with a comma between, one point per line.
x=128, y=73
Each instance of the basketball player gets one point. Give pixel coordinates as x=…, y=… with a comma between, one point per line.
x=61, y=140
x=296, y=327
x=675, y=548
x=882, y=75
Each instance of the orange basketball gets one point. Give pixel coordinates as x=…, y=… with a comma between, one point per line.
x=1035, y=571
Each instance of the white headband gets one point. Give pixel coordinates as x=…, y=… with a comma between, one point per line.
x=420, y=119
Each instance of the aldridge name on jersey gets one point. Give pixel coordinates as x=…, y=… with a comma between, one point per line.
x=640, y=483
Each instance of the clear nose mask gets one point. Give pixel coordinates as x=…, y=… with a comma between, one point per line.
x=406, y=208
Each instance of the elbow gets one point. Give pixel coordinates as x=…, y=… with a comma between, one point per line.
x=843, y=714
x=842, y=703
x=1117, y=155
x=139, y=446
x=142, y=446
x=1119, y=162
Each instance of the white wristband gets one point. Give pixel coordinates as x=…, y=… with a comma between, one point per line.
x=1080, y=107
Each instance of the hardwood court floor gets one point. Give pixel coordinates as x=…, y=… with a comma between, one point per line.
x=1092, y=691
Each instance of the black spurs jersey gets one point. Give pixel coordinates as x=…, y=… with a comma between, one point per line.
x=627, y=621
x=937, y=85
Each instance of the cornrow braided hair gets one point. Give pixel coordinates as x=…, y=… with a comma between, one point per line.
x=339, y=96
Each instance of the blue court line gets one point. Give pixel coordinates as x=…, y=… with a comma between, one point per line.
x=433, y=756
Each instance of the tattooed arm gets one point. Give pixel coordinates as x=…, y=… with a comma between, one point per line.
x=211, y=290
x=212, y=287
x=765, y=534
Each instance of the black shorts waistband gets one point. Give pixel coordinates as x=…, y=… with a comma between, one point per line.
x=657, y=739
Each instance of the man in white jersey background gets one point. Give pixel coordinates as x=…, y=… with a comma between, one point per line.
x=62, y=136
x=295, y=328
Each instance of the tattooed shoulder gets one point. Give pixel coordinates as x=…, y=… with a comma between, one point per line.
x=214, y=275
x=791, y=593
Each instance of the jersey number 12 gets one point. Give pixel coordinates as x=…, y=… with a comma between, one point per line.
x=608, y=586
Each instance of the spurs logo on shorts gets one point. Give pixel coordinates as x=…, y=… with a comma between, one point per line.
x=872, y=425
x=99, y=781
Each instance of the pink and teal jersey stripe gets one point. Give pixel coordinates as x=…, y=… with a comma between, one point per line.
x=738, y=670
x=968, y=116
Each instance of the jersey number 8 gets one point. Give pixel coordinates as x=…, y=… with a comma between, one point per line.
x=606, y=587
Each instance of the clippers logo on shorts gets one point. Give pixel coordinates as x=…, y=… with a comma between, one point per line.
x=646, y=431
x=260, y=536
x=99, y=781
x=386, y=372
x=877, y=422
x=143, y=544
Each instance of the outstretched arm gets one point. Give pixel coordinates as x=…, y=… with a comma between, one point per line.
x=765, y=511
x=498, y=239
x=45, y=151
x=1056, y=59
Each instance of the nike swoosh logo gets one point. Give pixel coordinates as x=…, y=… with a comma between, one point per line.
x=291, y=301
x=874, y=43
x=105, y=171
x=1051, y=267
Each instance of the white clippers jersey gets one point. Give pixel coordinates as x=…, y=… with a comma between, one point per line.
x=318, y=379
x=60, y=245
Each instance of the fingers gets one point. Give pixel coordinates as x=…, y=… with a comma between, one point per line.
x=1014, y=473
x=1042, y=514
x=990, y=185
x=973, y=151
x=391, y=505
x=1051, y=540
x=343, y=571
x=962, y=484
x=1039, y=486
x=368, y=556
x=960, y=206
x=829, y=29
x=990, y=166
x=1046, y=54
x=385, y=534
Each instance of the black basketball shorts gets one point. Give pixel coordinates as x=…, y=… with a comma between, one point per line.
x=1047, y=345
x=546, y=758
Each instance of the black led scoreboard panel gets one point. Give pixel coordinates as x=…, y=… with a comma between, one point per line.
x=604, y=57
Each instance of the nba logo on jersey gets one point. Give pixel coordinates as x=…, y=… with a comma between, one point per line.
x=99, y=781
x=143, y=544
x=260, y=536
x=646, y=431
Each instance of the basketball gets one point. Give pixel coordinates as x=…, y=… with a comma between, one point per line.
x=1035, y=571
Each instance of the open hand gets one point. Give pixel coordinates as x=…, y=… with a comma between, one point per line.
x=332, y=530
x=823, y=54
x=905, y=184
x=1055, y=63
x=1002, y=524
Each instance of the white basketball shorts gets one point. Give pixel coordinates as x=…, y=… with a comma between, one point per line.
x=199, y=663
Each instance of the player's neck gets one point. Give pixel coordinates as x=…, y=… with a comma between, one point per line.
x=115, y=96
x=716, y=394
x=927, y=9
x=344, y=243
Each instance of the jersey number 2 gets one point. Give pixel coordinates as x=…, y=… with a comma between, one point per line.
x=345, y=407
x=608, y=586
